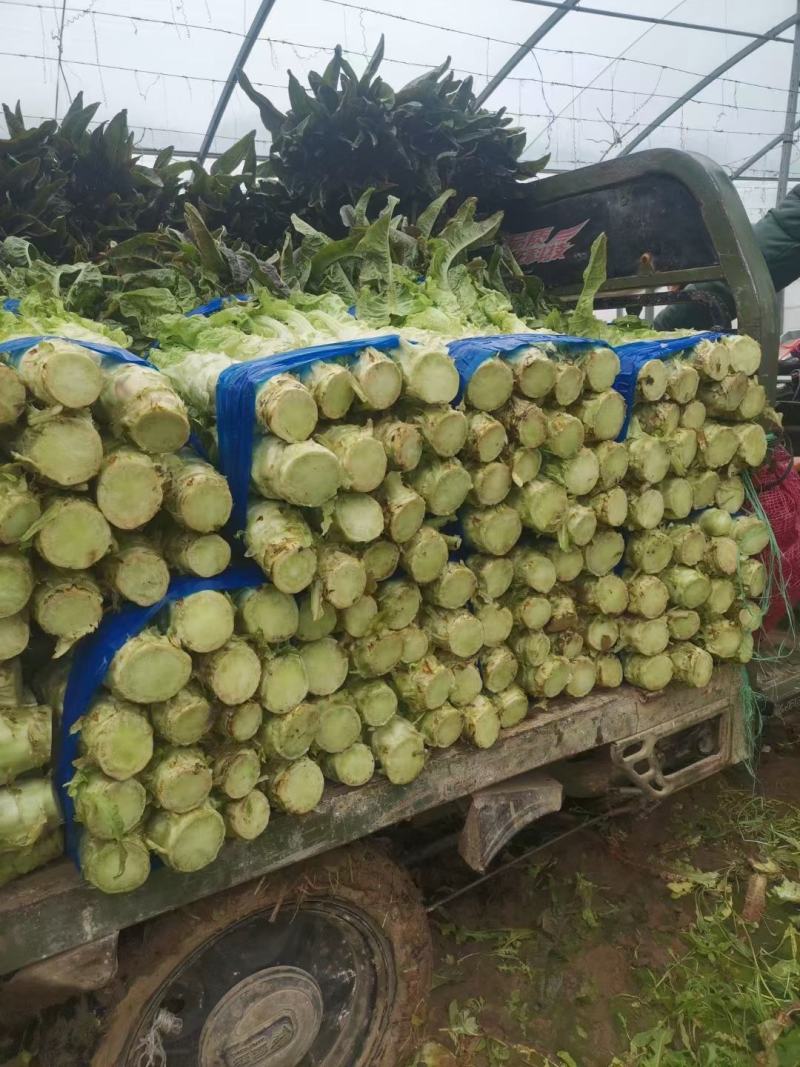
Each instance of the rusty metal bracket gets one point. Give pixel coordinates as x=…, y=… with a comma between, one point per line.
x=497, y=813
x=639, y=756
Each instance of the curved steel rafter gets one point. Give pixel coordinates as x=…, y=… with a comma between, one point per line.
x=541, y=31
x=256, y=27
x=698, y=87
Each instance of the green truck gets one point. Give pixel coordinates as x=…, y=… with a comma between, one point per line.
x=310, y=946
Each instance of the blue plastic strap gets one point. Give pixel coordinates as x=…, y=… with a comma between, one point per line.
x=218, y=303
x=471, y=352
x=16, y=348
x=235, y=401
x=11, y=303
x=633, y=356
x=92, y=658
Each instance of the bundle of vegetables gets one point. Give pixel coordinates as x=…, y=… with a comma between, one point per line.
x=99, y=499
x=384, y=628
x=694, y=430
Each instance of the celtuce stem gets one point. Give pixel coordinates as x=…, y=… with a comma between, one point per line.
x=425, y=555
x=353, y=767
x=240, y=723
x=305, y=473
x=203, y=555
x=19, y=506
x=494, y=574
x=136, y=571
x=140, y=404
x=296, y=788
x=12, y=396
x=14, y=636
x=232, y=672
x=61, y=372
x=67, y=606
x=379, y=380
x=445, y=429
x=196, y=495
x=339, y=724
x=203, y=621
x=402, y=442
x=148, y=668
x=645, y=508
x=376, y=702
x=118, y=866
x=525, y=422
x=129, y=488
x=443, y=484
x=331, y=386
x=247, y=818
x=286, y=408
x=280, y=541
x=429, y=373
x=72, y=534
x=290, y=736
x=117, y=737
x=361, y=457
x=187, y=841
x=691, y=664
x=453, y=588
x=25, y=740
x=399, y=749
x=511, y=706
x=652, y=673
x=486, y=438
x=481, y=722
x=342, y=575
x=458, y=632
x=490, y=386
x=179, y=779
x=267, y=614
x=185, y=718
x=64, y=449
x=326, y=666
x=494, y=530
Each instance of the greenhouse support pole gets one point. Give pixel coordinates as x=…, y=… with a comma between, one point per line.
x=256, y=27
x=707, y=80
x=788, y=138
x=748, y=163
x=791, y=117
x=541, y=31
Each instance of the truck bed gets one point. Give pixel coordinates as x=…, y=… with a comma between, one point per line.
x=53, y=910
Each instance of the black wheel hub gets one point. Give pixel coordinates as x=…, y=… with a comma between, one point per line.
x=312, y=988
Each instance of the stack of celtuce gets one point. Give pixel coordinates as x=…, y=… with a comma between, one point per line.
x=98, y=500
x=431, y=572
x=694, y=430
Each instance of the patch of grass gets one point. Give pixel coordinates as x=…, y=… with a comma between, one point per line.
x=729, y=1000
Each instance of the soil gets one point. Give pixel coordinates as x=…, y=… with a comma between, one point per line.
x=554, y=957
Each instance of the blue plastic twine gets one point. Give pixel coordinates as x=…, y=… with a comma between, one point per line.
x=633, y=356
x=235, y=403
x=471, y=352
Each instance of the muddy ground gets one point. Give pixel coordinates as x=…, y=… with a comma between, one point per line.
x=626, y=944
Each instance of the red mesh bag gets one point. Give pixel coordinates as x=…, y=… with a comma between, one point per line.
x=778, y=485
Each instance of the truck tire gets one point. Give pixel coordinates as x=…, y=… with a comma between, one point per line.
x=325, y=964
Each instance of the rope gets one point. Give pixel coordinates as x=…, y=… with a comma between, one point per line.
x=150, y=1052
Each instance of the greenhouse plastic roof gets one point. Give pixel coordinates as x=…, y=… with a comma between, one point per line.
x=590, y=85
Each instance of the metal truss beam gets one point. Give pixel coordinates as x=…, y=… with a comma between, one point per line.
x=256, y=27
x=654, y=20
x=698, y=87
x=739, y=173
x=563, y=8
